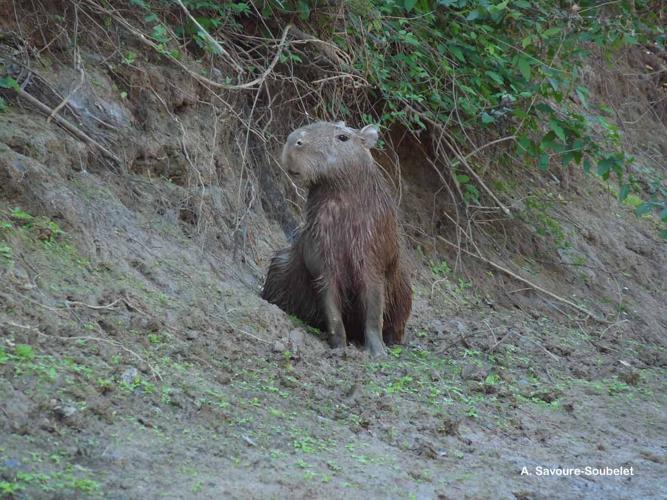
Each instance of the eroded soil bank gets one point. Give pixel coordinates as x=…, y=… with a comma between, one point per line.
x=137, y=359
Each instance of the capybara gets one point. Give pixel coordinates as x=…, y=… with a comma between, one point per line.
x=343, y=274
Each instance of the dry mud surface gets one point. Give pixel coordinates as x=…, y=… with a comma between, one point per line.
x=138, y=361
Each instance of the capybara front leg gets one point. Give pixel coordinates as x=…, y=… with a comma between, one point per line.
x=374, y=308
x=334, y=319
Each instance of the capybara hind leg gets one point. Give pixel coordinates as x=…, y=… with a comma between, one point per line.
x=334, y=319
x=374, y=309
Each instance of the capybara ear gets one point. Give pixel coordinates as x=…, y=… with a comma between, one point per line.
x=369, y=134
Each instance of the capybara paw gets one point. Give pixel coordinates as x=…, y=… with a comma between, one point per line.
x=377, y=351
x=336, y=342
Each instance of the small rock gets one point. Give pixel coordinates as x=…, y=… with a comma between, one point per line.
x=473, y=372
x=129, y=375
x=279, y=346
x=297, y=340
x=458, y=326
x=65, y=413
x=46, y=425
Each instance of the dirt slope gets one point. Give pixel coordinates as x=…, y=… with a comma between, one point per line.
x=137, y=359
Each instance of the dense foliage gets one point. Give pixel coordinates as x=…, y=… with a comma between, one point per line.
x=512, y=67
x=507, y=71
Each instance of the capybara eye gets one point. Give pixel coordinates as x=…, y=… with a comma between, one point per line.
x=343, y=137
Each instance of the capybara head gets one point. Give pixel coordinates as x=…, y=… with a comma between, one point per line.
x=321, y=149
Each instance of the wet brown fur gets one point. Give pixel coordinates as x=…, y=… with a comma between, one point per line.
x=352, y=226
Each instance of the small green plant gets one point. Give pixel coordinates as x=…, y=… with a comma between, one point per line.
x=138, y=383
x=617, y=387
x=154, y=338
x=104, y=384
x=130, y=57
x=85, y=485
x=441, y=269
x=8, y=489
x=305, y=444
x=21, y=215
x=24, y=352
x=6, y=254
x=400, y=385
x=198, y=486
x=7, y=82
x=300, y=323
x=395, y=351
x=165, y=395
x=537, y=214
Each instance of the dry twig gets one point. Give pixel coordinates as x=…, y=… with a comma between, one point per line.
x=72, y=129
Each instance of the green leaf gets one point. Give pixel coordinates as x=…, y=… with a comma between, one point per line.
x=462, y=179
x=458, y=53
x=160, y=33
x=587, y=165
x=644, y=208
x=547, y=141
x=524, y=68
x=550, y=32
x=487, y=118
x=624, y=192
x=558, y=130
x=543, y=162
x=495, y=76
x=409, y=4
x=7, y=82
x=544, y=108
x=474, y=14
x=582, y=92
x=663, y=234
x=24, y=351
x=526, y=144
x=304, y=10
x=604, y=168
